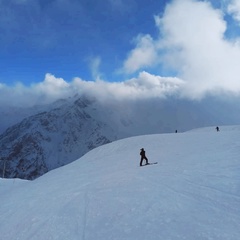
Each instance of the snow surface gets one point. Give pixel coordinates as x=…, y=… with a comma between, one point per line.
x=192, y=193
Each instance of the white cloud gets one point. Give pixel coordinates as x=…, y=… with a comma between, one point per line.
x=94, y=64
x=199, y=51
x=52, y=86
x=143, y=55
x=192, y=43
x=234, y=9
x=143, y=86
x=50, y=89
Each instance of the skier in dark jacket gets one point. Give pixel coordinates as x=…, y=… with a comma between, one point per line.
x=143, y=156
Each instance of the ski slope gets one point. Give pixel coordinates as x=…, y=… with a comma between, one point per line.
x=192, y=193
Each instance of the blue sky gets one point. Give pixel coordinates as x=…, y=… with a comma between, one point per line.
x=54, y=46
x=62, y=37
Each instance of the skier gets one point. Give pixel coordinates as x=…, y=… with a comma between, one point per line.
x=217, y=128
x=143, y=156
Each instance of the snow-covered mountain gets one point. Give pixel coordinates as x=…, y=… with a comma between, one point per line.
x=192, y=193
x=51, y=139
x=67, y=129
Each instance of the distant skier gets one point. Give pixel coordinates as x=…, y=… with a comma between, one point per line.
x=217, y=128
x=143, y=157
x=175, y=131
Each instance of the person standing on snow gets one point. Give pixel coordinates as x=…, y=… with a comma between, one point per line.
x=143, y=156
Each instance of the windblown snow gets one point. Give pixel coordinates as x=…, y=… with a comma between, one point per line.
x=192, y=193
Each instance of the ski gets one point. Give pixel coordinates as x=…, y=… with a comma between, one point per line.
x=149, y=164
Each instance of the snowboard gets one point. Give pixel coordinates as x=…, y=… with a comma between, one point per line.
x=149, y=164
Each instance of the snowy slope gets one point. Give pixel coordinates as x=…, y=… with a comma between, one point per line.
x=192, y=193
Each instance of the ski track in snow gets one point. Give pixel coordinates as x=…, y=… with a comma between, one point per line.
x=192, y=193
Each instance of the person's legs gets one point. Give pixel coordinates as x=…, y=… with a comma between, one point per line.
x=146, y=160
x=141, y=161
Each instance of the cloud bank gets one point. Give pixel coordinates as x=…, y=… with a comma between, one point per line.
x=52, y=88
